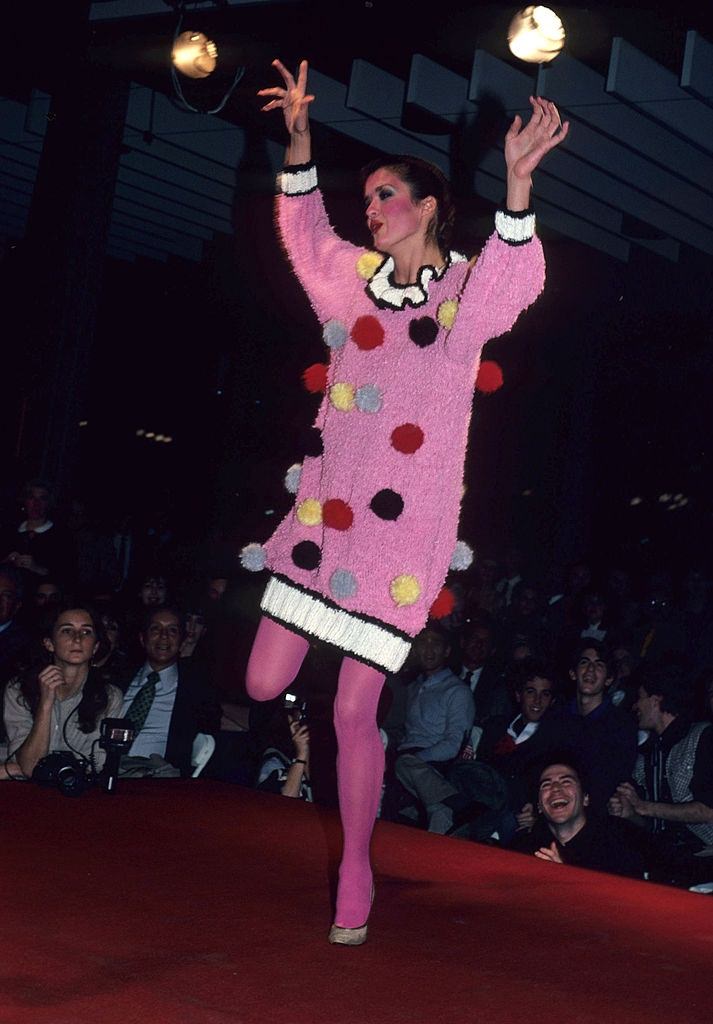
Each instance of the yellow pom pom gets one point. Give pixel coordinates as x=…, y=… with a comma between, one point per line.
x=447, y=313
x=309, y=512
x=405, y=590
x=368, y=263
x=341, y=396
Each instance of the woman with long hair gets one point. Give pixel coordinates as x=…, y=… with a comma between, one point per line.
x=362, y=557
x=59, y=705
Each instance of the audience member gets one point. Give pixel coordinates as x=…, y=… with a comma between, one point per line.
x=604, y=735
x=439, y=716
x=59, y=706
x=280, y=773
x=14, y=638
x=511, y=750
x=47, y=596
x=481, y=671
x=673, y=792
x=111, y=661
x=37, y=547
x=167, y=700
x=523, y=620
x=512, y=575
x=567, y=834
x=194, y=631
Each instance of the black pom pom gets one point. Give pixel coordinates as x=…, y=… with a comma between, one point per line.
x=387, y=504
x=306, y=555
x=423, y=331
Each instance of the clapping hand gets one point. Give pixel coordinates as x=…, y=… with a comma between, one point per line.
x=550, y=853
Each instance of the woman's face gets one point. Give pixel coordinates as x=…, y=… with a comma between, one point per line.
x=74, y=639
x=392, y=216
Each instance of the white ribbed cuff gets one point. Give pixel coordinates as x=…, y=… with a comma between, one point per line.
x=515, y=228
x=297, y=182
x=366, y=640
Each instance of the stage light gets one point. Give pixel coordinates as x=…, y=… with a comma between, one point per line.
x=636, y=501
x=140, y=432
x=150, y=434
x=536, y=35
x=194, y=55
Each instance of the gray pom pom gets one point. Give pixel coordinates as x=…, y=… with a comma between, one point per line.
x=462, y=557
x=334, y=333
x=253, y=557
x=292, y=478
x=342, y=583
x=368, y=398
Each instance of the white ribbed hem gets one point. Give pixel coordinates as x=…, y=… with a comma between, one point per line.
x=365, y=640
x=297, y=183
x=514, y=229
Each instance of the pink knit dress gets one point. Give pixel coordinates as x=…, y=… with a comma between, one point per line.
x=365, y=550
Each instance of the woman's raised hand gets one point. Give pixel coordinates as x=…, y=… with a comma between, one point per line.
x=525, y=146
x=50, y=680
x=292, y=98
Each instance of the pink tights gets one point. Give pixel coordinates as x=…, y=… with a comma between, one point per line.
x=275, y=660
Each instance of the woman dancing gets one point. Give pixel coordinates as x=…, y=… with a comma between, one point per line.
x=364, y=553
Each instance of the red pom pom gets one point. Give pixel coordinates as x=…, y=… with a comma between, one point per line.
x=314, y=377
x=443, y=605
x=337, y=514
x=407, y=438
x=490, y=377
x=367, y=332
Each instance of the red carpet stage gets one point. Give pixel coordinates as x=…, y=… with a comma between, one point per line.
x=204, y=903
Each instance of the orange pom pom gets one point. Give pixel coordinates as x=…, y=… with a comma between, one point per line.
x=314, y=378
x=443, y=605
x=490, y=377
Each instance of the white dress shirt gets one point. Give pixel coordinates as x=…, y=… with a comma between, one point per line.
x=154, y=734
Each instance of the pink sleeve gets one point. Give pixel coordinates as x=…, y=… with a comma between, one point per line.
x=324, y=263
x=505, y=280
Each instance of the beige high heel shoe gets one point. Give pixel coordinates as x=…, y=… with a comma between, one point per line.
x=339, y=936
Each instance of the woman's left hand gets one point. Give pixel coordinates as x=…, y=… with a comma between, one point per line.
x=526, y=146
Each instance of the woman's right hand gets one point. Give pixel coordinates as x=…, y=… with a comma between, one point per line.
x=293, y=99
x=50, y=680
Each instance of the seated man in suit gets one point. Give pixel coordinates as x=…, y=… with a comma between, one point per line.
x=481, y=671
x=168, y=700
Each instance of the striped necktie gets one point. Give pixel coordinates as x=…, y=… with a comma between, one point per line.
x=141, y=704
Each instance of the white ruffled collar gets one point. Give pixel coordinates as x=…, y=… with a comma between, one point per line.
x=387, y=294
x=24, y=527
